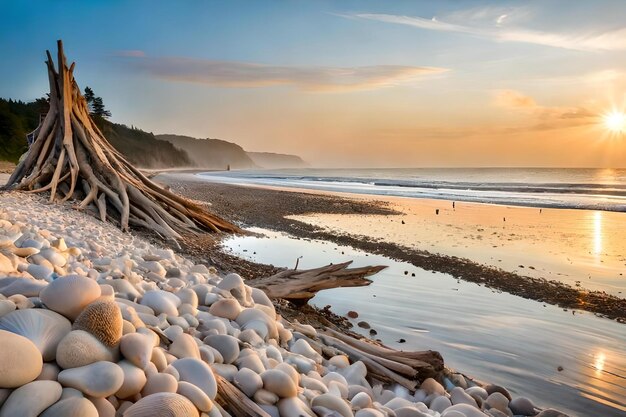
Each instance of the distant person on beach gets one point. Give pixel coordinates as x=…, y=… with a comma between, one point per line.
x=453, y=205
x=437, y=212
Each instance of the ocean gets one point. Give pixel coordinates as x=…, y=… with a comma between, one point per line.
x=578, y=188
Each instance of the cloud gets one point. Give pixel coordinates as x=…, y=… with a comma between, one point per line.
x=543, y=117
x=248, y=75
x=590, y=41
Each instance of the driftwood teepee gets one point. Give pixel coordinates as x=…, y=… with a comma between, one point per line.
x=71, y=158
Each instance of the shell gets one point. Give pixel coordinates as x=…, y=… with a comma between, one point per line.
x=70, y=294
x=103, y=319
x=227, y=346
x=134, y=380
x=161, y=302
x=44, y=328
x=164, y=404
x=80, y=348
x=20, y=360
x=72, y=407
x=198, y=373
x=99, y=379
x=184, y=346
x=31, y=399
x=137, y=348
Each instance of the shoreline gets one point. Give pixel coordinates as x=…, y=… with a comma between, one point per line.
x=263, y=207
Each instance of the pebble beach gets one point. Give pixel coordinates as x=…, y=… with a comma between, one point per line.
x=96, y=322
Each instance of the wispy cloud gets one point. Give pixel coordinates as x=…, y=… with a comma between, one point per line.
x=498, y=31
x=247, y=75
x=543, y=117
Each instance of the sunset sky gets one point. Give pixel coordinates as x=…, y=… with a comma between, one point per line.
x=346, y=83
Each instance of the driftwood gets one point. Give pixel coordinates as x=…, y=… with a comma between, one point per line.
x=71, y=159
x=385, y=364
x=299, y=286
x=235, y=401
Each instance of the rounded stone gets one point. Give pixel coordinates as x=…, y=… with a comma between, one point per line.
x=99, y=379
x=72, y=407
x=198, y=373
x=31, y=399
x=523, y=406
x=279, y=383
x=20, y=360
x=227, y=346
x=70, y=294
x=79, y=348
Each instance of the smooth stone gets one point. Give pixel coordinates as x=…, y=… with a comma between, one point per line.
x=72, y=407
x=477, y=392
x=31, y=399
x=361, y=400
x=294, y=407
x=248, y=381
x=20, y=360
x=226, y=371
x=44, y=328
x=103, y=319
x=339, y=361
x=195, y=395
x=303, y=348
x=491, y=388
x=70, y=294
x=265, y=397
x=184, y=346
x=279, y=383
x=134, y=380
x=332, y=402
x=523, y=406
x=137, y=348
x=99, y=379
x=104, y=407
x=465, y=409
x=440, y=403
x=459, y=396
x=551, y=412
x=6, y=306
x=198, y=373
x=79, y=348
x=164, y=404
x=159, y=383
x=409, y=411
x=161, y=302
x=430, y=386
x=227, y=346
x=228, y=308
x=49, y=372
x=369, y=412
x=498, y=401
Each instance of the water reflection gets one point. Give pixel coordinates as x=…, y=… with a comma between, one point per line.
x=599, y=362
x=597, y=233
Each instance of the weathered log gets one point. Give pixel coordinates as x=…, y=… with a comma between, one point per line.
x=299, y=286
x=71, y=158
x=235, y=401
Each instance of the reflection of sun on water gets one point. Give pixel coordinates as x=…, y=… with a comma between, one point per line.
x=597, y=232
x=599, y=362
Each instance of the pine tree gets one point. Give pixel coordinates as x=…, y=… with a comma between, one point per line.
x=98, y=108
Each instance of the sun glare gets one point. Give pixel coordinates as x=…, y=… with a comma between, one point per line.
x=615, y=121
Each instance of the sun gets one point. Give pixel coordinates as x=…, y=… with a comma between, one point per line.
x=615, y=121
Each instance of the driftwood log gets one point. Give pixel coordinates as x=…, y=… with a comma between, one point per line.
x=234, y=401
x=71, y=159
x=299, y=286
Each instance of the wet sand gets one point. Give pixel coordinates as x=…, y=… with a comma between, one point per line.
x=473, y=242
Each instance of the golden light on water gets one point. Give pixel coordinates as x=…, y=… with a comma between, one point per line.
x=599, y=362
x=597, y=232
x=615, y=121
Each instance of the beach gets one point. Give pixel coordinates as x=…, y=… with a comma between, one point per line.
x=362, y=227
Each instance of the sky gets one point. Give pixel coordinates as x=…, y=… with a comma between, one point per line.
x=345, y=83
